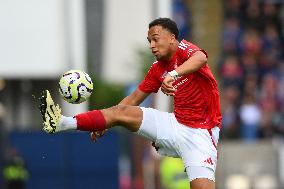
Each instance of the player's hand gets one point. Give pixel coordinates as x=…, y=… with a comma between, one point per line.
x=167, y=85
x=97, y=134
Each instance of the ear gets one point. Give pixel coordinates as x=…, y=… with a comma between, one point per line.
x=173, y=39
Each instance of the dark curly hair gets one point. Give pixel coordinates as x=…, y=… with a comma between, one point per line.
x=166, y=23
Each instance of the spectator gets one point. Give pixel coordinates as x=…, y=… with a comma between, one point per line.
x=233, y=8
x=231, y=34
x=269, y=103
x=252, y=15
x=231, y=71
x=229, y=107
x=253, y=34
x=250, y=116
x=15, y=172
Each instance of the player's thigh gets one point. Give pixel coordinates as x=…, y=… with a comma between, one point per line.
x=152, y=120
x=160, y=128
x=129, y=117
x=199, y=152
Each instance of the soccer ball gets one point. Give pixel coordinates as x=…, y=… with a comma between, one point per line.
x=75, y=86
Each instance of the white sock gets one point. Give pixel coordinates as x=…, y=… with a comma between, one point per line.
x=67, y=123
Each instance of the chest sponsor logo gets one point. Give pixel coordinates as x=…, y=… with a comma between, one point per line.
x=180, y=82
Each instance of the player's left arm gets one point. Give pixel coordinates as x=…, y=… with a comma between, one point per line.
x=194, y=63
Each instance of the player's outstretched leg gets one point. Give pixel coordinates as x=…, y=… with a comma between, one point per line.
x=129, y=117
x=54, y=121
x=50, y=112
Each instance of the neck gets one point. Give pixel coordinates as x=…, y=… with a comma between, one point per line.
x=172, y=52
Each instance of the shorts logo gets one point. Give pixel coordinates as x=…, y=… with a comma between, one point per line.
x=209, y=161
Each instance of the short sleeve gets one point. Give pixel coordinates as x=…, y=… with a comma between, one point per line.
x=186, y=50
x=151, y=82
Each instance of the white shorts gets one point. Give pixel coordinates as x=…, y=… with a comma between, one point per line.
x=197, y=147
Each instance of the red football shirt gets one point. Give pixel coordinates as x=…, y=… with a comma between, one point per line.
x=197, y=100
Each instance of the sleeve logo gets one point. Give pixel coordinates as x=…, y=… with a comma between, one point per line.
x=183, y=45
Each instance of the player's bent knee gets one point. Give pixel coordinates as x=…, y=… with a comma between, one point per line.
x=118, y=112
x=119, y=109
x=129, y=117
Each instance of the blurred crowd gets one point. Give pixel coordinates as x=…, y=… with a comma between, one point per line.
x=251, y=70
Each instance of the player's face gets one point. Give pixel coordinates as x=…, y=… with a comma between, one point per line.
x=161, y=42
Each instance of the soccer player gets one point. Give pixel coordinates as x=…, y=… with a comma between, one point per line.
x=191, y=132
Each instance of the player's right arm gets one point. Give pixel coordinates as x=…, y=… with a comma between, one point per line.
x=146, y=87
x=135, y=98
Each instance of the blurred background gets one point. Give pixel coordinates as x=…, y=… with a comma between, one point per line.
x=40, y=40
